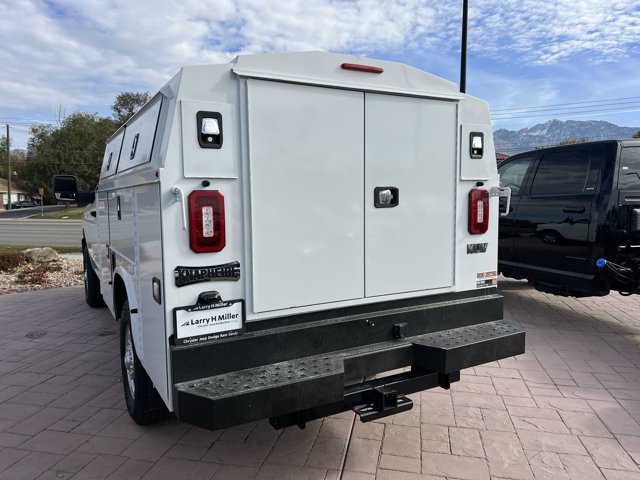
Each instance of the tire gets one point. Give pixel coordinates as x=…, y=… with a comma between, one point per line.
x=143, y=401
x=91, y=282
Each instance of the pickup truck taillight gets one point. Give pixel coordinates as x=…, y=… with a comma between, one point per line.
x=206, y=221
x=478, y=211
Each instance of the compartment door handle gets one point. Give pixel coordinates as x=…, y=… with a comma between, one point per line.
x=386, y=197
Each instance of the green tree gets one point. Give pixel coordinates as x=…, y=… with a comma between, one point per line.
x=637, y=134
x=17, y=157
x=74, y=147
x=126, y=104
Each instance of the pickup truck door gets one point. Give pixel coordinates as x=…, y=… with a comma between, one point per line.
x=553, y=219
x=513, y=174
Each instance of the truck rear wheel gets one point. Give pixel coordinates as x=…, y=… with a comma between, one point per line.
x=91, y=282
x=143, y=401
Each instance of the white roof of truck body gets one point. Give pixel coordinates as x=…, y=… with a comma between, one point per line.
x=320, y=68
x=323, y=68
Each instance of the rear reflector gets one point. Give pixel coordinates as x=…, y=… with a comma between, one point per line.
x=478, y=211
x=362, y=68
x=206, y=221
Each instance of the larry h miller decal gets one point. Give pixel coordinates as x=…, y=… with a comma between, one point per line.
x=201, y=323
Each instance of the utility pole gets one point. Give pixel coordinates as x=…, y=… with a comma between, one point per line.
x=8, y=171
x=463, y=49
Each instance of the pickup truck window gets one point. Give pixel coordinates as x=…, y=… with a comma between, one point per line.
x=512, y=175
x=562, y=172
x=630, y=169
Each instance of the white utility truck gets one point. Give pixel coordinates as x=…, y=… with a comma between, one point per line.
x=273, y=232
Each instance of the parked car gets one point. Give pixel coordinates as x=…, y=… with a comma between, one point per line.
x=573, y=226
x=21, y=204
x=24, y=204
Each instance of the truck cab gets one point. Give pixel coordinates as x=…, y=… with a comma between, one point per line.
x=572, y=225
x=273, y=232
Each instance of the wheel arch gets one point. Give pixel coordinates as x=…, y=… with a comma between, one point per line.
x=124, y=289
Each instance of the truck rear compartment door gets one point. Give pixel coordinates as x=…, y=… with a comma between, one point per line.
x=410, y=149
x=307, y=167
x=319, y=160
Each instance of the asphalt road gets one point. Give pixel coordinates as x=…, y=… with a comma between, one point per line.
x=27, y=212
x=44, y=233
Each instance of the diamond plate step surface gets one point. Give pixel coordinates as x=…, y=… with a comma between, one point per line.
x=452, y=350
x=262, y=392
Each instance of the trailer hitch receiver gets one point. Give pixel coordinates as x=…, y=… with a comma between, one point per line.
x=383, y=401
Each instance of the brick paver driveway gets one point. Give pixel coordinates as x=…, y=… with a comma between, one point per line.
x=568, y=408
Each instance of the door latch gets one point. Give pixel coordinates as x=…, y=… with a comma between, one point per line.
x=502, y=192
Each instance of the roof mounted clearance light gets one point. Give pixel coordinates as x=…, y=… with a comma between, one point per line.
x=362, y=68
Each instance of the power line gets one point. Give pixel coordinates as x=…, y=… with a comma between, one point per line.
x=585, y=108
x=27, y=119
x=28, y=123
x=565, y=104
x=573, y=109
x=633, y=108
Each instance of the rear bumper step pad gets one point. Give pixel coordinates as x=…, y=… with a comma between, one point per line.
x=459, y=348
x=316, y=384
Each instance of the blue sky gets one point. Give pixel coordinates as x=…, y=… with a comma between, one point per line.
x=61, y=56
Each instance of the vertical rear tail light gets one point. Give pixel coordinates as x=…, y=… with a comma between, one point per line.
x=478, y=211
x=206, y=221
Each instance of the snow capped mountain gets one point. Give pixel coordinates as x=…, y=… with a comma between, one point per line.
x=555, y=131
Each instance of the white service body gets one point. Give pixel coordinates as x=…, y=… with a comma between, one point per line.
x=305, y=143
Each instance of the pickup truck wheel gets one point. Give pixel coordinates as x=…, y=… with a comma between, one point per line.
x=91, y=282
x=143, y=401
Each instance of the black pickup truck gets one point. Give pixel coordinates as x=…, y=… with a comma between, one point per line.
x=573, y=226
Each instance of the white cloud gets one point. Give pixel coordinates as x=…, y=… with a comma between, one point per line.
x=544, y=33
x=88, y=50
x=79, y=54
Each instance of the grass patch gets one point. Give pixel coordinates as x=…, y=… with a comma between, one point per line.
x=66, y=214
x=20, y=248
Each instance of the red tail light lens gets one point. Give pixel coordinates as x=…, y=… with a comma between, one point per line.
x=478, y=211
x=206, y=221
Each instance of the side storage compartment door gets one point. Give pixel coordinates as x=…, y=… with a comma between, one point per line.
x=410, y=147
x=307, y=165
x=153, y=337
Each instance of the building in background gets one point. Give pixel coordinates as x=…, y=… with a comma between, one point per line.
x=16, y=193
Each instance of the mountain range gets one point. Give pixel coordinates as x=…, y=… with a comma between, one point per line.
x=555, y=131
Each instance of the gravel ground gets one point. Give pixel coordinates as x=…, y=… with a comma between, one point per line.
x=64, y=271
